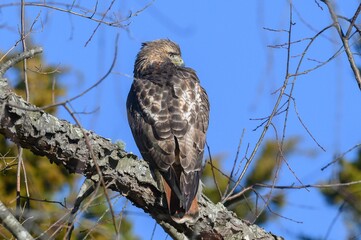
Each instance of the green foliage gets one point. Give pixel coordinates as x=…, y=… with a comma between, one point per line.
x=44, y=180
x=247, y=206
x=347, y=197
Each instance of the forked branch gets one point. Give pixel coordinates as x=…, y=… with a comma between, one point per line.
x=345, y=38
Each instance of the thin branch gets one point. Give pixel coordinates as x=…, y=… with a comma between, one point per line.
x=25, y=181
x=352, y=22
x=329, y=185
x=277, y=214
x=22, y=20
x=234, y=165
x=27, y=97
x=244, y=157
x=212, y=169
x=45, y=201
x=278, y=159
x=305, y=51
x=338, y=214
x=297, y=73
x=10, y=223
x=345, y=42
x=94, y=85
x=96, y=28
x=278, y=112
x=122, y=212
x=275, y=30
x=304, y=125
x=95, y=161
x=48, y=233
x=291, y=187
x=274, y=111
x=68, y=10
x=18, y=58
x=18, y=182
x=341, y=156
x=153, y=231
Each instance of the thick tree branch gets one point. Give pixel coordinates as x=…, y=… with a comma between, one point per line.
x=64, y=144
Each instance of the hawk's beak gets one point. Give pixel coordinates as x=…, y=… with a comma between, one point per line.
x=177, y=60
x=181, y=62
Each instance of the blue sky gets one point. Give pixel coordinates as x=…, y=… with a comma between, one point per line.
x=229, y=47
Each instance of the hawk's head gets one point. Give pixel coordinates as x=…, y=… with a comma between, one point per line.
x=156, y=53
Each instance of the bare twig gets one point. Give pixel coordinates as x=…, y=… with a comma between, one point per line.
x=344, y=39
x=10, y=223
x=22, y=19
x=27, y=97
x=11, y=62
x=18, y=179
x=123, y=212
x=106, y=12
x=273, y=212
x=305, y=127
x=338, y=214
x=45, y=235
x=352, y=22
x=275, y=30
x=297, y=73
x=341, y=156
x=291, y=187
x=212, y=169
x=94, y=85
x=68, y=9
x=45, y=201
x=234, y=165
x=274, y=111
x=101, y=179
x=329, y=185
x=278, y=159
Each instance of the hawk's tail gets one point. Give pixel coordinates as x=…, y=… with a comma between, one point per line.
x=176, y=209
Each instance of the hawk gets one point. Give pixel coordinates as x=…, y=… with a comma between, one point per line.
x=168, y=114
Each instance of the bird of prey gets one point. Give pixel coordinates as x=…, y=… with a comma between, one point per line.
x=168, y=114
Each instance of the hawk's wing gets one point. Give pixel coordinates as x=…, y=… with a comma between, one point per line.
x=168, y=113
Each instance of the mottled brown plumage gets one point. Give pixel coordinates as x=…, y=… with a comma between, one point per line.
x=168, y=114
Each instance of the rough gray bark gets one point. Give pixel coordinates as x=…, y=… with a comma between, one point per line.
x=64, y=144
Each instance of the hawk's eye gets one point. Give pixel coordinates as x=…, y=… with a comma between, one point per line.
x=172, y=54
